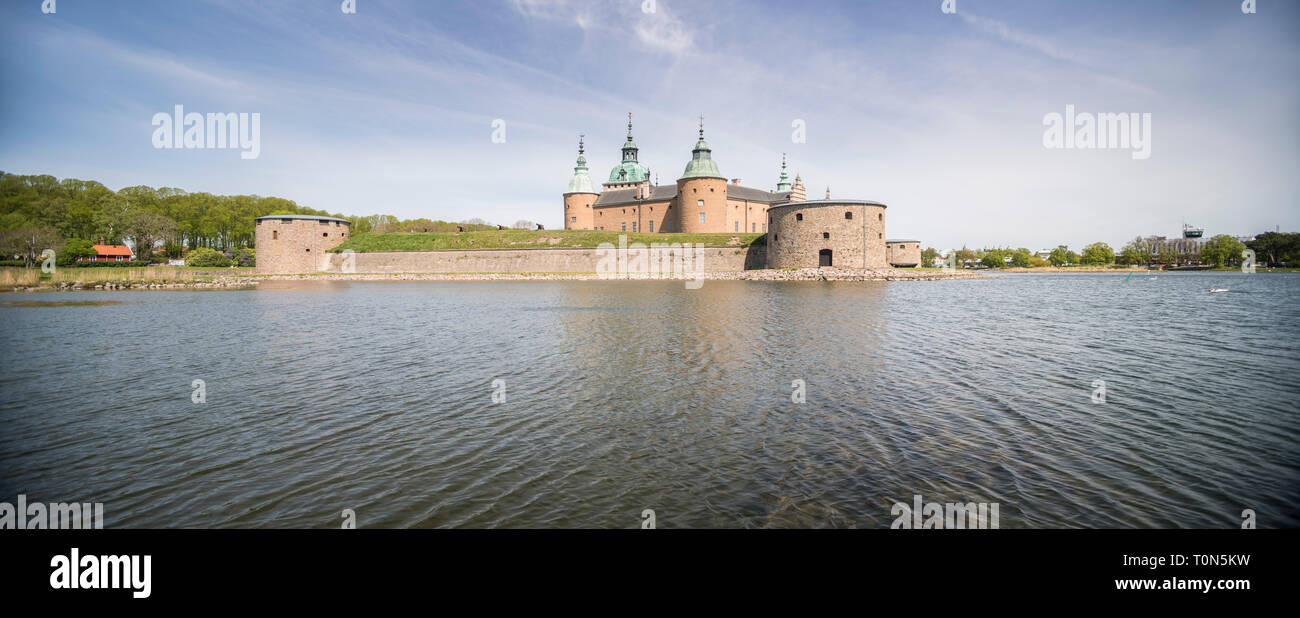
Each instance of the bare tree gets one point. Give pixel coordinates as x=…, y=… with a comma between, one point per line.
x=29, y=242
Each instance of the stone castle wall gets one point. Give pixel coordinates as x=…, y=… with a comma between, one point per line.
x=710, y=259
x=292, y=245
x=856, y=242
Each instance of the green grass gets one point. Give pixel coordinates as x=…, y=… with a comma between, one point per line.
x=531, y=239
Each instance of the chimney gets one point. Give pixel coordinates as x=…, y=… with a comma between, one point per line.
x=735, y=181
x=101, y=240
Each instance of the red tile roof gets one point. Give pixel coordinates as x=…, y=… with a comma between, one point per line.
x=113, y=250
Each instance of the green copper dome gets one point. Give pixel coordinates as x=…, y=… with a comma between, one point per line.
x=702, y=164
x=581, y=182
x=629, y=170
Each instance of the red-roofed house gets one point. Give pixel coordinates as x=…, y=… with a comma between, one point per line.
x=110, y=253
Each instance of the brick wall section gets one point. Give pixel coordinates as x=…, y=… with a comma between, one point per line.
x=296, y=245
x=634, y=217
x=713, y=192
x=858, y=242
x=904, y=254
x=711, y=259
x=578, y=213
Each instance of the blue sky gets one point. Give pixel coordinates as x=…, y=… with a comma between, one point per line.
x=390, y=110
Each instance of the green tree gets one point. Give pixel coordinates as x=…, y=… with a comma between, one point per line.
x=1169, y=256
x=1136, y=252
x=928, y=256
x=1097, y=254
x=1274, y=248
x=1222, y=249
x=1060, y=256
x=993, y=258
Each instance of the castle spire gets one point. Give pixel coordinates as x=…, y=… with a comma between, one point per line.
x=629, y=147
x=828, y=192
x=784, y=183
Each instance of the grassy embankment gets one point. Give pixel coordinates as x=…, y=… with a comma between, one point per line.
x=11, y=277
x=530, y=239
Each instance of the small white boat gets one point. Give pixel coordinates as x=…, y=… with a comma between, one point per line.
x=1213, y=290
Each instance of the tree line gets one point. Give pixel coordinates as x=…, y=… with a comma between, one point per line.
x=1270, y=249
x=42, y=212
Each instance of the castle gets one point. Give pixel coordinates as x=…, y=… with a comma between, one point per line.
x=704, y=201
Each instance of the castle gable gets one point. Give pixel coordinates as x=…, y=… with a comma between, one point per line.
x=618, y=197
x=737, y=192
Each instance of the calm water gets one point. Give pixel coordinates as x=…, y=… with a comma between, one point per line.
x=623, y=396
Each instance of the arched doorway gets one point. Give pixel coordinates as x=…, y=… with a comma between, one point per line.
x=824, y=258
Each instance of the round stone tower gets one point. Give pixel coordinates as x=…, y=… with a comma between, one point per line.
x=580, y=196
x=296, y=243
x=836, y=233
x=701, y=192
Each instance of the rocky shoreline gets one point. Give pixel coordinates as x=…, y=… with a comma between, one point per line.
x=252, y=281
x=804, y=274
x=222, y=283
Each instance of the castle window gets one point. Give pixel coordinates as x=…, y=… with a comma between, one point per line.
x=308, y=250
x=699, y=203
x=848, y=215
x=573, y=219
x=826, y=235
x=776, y=237
x=880, y=216
x=798, y=216
x=764, y=228
x=701, y=217
x=652, y=227
x=880, y=235
x=324, y=234
x=737, y=227
x=753, y=227
x=275, y=235
x=634, y=226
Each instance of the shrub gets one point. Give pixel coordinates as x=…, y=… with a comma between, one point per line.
x=205, y=257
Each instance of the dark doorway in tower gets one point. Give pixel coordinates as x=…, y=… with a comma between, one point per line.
x=824, y=257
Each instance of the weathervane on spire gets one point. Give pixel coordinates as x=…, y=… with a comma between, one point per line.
x=701, y=126
x=580, y=136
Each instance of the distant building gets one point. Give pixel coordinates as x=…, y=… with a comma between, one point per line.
x=903, y=253
x=110, y=253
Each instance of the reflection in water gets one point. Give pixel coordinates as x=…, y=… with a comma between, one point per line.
x=621, y=396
